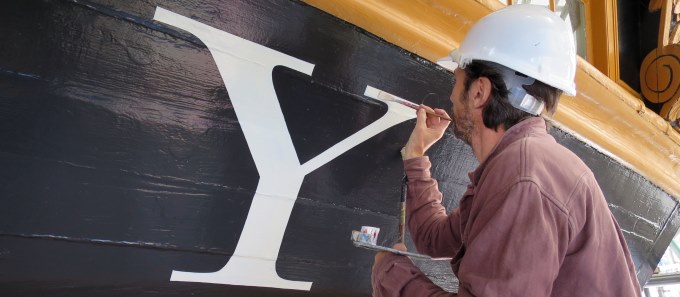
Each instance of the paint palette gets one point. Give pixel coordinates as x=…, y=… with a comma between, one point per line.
x=367, y=235
x=367, y=238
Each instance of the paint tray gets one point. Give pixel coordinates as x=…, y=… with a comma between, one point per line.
x=367, y=238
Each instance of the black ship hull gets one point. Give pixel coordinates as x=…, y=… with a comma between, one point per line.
x=146, y=145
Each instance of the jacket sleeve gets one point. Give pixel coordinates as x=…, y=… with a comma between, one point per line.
x=397, y=276
x=515, y=245
x=433, y=231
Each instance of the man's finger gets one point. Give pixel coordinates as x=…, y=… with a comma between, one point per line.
x=378, y=257
x=427, y=108
x=421, y=118
x=440, y=111
x=400, y=246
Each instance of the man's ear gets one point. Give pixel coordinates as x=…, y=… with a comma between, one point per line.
x=481, y=92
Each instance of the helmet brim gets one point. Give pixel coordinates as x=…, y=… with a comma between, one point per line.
x=448, y=63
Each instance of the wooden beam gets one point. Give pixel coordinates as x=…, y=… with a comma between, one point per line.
x=601, y=29
x=665, y=23
x=655, y=5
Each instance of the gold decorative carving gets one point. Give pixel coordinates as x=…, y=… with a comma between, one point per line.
x=660, y=74
x=660, y=70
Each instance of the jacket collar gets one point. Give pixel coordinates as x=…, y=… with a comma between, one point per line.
x=533, y=125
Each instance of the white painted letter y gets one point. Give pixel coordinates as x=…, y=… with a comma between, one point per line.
x=246, y=68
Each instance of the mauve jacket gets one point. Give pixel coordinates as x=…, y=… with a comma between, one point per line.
x=533, y=222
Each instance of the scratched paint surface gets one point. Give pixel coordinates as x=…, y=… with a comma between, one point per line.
x=122, y=157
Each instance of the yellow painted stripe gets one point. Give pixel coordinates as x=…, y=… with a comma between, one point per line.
x=603, y=114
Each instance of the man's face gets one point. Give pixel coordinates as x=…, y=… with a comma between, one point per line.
x=462, y=117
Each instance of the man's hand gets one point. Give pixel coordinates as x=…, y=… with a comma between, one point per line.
x=380, y=255
x=428, y=130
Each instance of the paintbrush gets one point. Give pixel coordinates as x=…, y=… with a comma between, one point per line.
x=385, y=96
x=402, y=205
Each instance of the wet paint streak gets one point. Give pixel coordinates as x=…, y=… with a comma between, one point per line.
x=20, y=74
x=132, y=244
x=315, y=203
x=637, y=236
x=639, y=219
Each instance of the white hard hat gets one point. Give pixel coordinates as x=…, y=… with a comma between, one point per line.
x=527, y=38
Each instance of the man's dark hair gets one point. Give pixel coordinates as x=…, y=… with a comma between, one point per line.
x=498, y=110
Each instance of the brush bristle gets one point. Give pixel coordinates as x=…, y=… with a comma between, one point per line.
x=378, y=94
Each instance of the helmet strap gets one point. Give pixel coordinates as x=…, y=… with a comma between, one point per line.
x=520, y=99
x=518, y=96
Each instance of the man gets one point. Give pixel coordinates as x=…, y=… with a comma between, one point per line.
x=533, y=221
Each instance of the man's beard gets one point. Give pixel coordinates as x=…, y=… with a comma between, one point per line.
x=462, y=123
